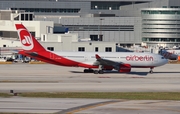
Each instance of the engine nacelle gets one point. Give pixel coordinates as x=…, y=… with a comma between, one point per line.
x=125, y=68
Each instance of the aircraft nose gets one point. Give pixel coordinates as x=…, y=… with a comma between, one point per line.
x=162, y=61
x=165, y=61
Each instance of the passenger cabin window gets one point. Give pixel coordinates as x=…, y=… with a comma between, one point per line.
x=81, y=48
x=50, y=48
x=94, y=37
x=108, y=49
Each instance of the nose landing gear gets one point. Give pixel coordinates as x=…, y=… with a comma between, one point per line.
x=151, y=70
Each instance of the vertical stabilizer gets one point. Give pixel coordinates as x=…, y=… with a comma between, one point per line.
x=28, y=42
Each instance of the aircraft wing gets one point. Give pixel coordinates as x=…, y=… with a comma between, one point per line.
x=119, y=66
x=107, y=61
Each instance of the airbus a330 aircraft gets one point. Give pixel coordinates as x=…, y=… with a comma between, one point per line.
x=169, y=54
x=120, y=61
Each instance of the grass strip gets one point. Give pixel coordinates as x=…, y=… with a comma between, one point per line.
x=9, y=81
x=21, y=113
x=109, y=95
x=5, y=95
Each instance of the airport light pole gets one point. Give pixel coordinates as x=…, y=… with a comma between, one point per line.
x=59, y=20
x=100, y=31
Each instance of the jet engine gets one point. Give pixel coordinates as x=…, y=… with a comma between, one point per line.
x=124, y=68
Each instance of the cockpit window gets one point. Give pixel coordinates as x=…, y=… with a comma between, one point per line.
x=162, y=57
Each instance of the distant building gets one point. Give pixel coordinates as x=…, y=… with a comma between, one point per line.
x=43, y=32
x=126, y=22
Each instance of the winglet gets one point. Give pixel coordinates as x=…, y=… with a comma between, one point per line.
x=97, y=56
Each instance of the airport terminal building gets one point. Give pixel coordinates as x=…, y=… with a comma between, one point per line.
x=126, y=22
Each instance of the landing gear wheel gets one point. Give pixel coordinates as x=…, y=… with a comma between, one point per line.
x=91, y=70
x=88, y=70
x=151, y=70
x=96, y=71
x=101, y=72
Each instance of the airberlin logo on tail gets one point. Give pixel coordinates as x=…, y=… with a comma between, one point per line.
x=26, y=39
x=139, y=58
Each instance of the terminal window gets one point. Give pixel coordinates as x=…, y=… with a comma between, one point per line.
x=108, y=49
x=50, y=10
x=81, y=48
x=96, y=49
x=50, y=48
x=94, y=37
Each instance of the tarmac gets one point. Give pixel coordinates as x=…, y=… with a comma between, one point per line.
x=24, y=77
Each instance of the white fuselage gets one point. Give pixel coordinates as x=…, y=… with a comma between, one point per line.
x=133, y=58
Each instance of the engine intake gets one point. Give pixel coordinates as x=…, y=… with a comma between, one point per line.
x=124, y=68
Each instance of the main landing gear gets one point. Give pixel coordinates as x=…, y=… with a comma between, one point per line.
x=100, y=71
x=93, y=71
x=151, y=70
x=88, y=70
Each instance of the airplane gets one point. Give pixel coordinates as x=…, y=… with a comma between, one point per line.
x=169, y=54
x=94, y=62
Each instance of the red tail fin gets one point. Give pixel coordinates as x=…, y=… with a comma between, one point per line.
x=29, y=43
